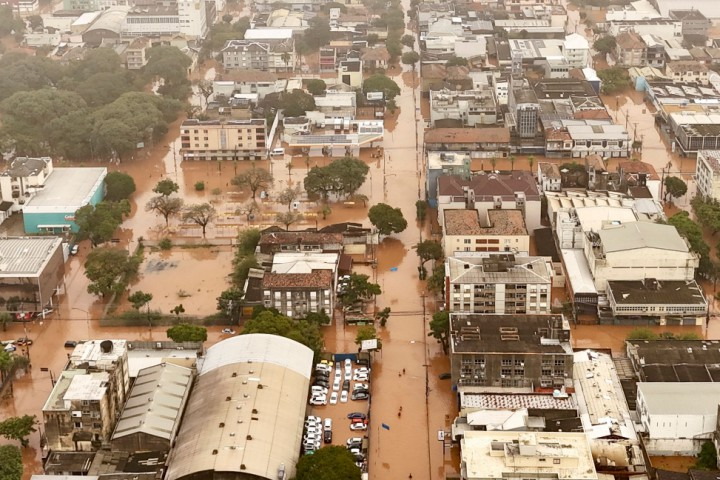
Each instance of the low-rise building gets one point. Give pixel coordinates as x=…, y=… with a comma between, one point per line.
x=248, y=82
x=483, y=142
x=549, y=177
x=688, y=71
x=350, y=72
x=444, y=163
x=511, y=351
x=136, y=53
x=630, y=49
x=516, y=190
x=52, y=208
x=693, y=21
x=151, y=418
x=23, y=178
x=34, y=270
x=497, y=455
x=707, y=173
x=223, y=139
x=337, y=104
x=301, y=241
x=678, y=302
x=468, y=230
x=469, y=108
x=682, y=361
x=274, y=55
x=694, y=132
x=604, y=140
x=498, y=284
x=673, y=425
x=662, y=27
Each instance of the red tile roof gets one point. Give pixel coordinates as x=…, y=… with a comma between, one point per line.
x=316, y=279
x=467, y=135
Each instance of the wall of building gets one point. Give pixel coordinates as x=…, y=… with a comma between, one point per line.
x=141, y=442
x=672, y=446
x=485, y=243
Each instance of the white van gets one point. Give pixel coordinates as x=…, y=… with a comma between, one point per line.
x=277, y=151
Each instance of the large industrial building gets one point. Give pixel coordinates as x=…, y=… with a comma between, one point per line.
x=244, y=418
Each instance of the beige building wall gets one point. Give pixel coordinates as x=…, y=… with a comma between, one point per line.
x=485, y=243
x=223, y=140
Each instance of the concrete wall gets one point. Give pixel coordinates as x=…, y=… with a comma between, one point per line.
x=673, y=446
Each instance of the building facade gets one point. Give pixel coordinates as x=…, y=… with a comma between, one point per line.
x=23, y=178
x=469, y=108
x=297, y=294
x=519, y=351
x=498, y=284
x=707, y=173
x=491, y=231
x=223, y=139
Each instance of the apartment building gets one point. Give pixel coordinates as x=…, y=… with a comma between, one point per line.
x=707, y=173
x=630, y=49
x=136, y=53
x=23, y=178
x=468, y=108
x=498, y=284
x=467, y=230
x=693, y=21
x=482, y=142
x=549, y=177
x=664, y=28
x=511, y=351
x=688, y=72
x=223, y=139
x=186, y=17
x=88, y=397
x=273, y=55
x=516, y=190
x=604, y=140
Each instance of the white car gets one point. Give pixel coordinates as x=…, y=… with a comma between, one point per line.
x=313, y=431
x=314, y=419
x=361, y=386
x=348, y=375
x=323, y=367
x=343, y=396
x=364, y=370
x=333, y=398
x=358, y=426
x=316, y=390
x=318, y=400
x=338, y=373
x=348, y=363
x=327, y=425
x=336, y=384
x=359, y=377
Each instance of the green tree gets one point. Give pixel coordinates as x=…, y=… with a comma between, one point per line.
x=103, y=88
x=19, y=71
x=118, y=186
x=320, y=181
x=316, y=86
x=288, y=196
x=140, y=299
x=436, y=281
x=456, y=62
x=641, y=333
x=166, y=187
x=707, y=211
x=707, y=458
x=184, y=332
x=296, y=103
x=36, y=22
x=328, y=463
x=381, y=83
x=421, y=211
x=411, y=58
x=394, y=47
x=11, y=466
x=177, y=310
x=383, y=316
x=288, y=218
x=241, y=268
x=302, y=331
x=440, y=328
x=694, y=235
x=372, y=39
x=170, y=64
x=7, y=361
x=285, y=57
x=428, y=250
x=386, y=219
x=200, y=214
x=316, y=35
x=18, y=428
x=408, y=41
x=206, y=89
x=614, y=79
x=247, y=241
x=165, y=206
x=230, y=301
x=367, y=332
x=9, y=22
x=359, y=288
x=674, y=187
x=5, y=318
x=98, y=223
x=350, y=174
x=254, y=179
x=605, y=44
x=109, y=269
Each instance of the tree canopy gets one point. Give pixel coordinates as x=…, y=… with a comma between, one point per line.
x=165, y=206
x=328, y=463
x=119, y=186
x=166, y=187
x=674, y=187
x=410, y=58
x=707, y=211
x=171, y=65
x=254, y=179
x=429, y=250
x=357, y=288
x=296, y=103
x=316, y=86
x=200, y=214
x=440, y=328
x=693, y=232
x=317, y=35
x=302, y=331
x=184, y=332
x=98, y=223
x=614, y=79
x=387, y=219
x=605, y=44
x=139, y=299
x=343, y=177
x=456, y=62
x=381, y=83
x=109, y=269
x=11, y=466
x=18, y=428
x=367, y=332
x=408, y=41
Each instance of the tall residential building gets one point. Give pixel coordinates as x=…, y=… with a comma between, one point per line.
x=498, y=284
x=88, y=397
x=223, y=139
x=707, y=173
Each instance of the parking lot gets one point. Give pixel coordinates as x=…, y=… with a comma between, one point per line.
x=348, y=393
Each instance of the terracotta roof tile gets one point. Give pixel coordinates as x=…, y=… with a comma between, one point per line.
x=467, y=135
x=287, y=238
x=488, y=186
x=316, y=279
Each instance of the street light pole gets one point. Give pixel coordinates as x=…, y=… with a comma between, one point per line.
x=87, y=319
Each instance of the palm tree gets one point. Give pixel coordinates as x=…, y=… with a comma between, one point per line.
x=512, y=162
x=289, y=167
x=285, y=57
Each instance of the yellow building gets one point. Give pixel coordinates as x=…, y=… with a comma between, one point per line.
x=223, y=139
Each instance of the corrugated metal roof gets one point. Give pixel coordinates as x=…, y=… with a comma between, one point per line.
x=156, y=402
x=635, y=235
x=26, y=256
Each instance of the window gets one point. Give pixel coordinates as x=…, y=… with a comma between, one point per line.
x=556, y=461
x=78, y=424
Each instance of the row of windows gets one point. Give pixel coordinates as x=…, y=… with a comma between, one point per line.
x=152, y=20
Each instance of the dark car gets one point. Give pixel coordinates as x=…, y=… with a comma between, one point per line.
x=356, y=415
x=346, y=385
x=445, y=376
x=321, y=383
x=360, y=395
x=324, y=375
x=327, y=436
x=70, y=344
x=361, y=390
x=24, y=341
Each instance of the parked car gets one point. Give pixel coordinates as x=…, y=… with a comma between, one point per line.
x=364, y=370
x=361, y=390
x=348, y=375
x=23, y=341
x=346, y=385
x=356, y=415
x=343, y=396
x=353, y=441
x=445, y=376
x=348, y=363
x=358, y=426
x=359, y=420
x=323, y=367
x=360, y=395
x=327, y=436
x=10, y=347
x=318, y=390
x=361, y=386
x=336, y=384
x=327, y=424
x=361, y=377
x=74, y=249
x=313, y=418
x=338, y=373
x=70, y=344
x=229, y=331
x=321, y=383
x=334, y=398
x=319, y=400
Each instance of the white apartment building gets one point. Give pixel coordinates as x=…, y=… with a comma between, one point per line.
x=663, y=28
x=498, y=284
x=223, y=139
x=677, y=417
x=471, y=107
x=638, y=250
x=576, y=50
x=23, y=178
x=604, y=140
x=491, y=231
x=186, y=17
x=266, y=55
x=688, y=72
x=707, y=173
x=498, y=455
x=549, y=177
